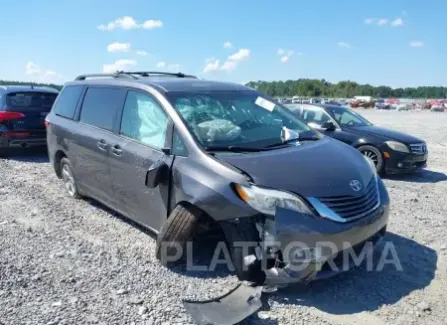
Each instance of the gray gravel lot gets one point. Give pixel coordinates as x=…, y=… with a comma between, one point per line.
x=75, y=262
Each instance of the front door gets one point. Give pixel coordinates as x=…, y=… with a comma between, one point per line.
x=142, y=135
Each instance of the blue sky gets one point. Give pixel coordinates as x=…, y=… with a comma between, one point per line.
x=392, y=42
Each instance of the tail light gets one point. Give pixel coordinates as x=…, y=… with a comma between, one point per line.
x=47, y=123
x=7, y=116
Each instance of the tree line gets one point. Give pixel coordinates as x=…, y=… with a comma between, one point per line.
x=342, y=89
x=318, y=88
x=22, y=83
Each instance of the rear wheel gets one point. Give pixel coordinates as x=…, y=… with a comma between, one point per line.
x=175, y=234
x=373, y=154
x=3, y=152
x=69, y=179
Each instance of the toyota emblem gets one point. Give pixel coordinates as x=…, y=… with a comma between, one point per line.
x=355, y=185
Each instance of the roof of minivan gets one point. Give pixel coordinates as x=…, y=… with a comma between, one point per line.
x=190, y=84
x=169, y=84
x=22, y=88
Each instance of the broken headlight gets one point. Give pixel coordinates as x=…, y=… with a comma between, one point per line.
x=267, y=200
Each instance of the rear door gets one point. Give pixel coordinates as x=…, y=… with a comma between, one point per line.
x=143, y=132
x=93, y=137
x=34, y=106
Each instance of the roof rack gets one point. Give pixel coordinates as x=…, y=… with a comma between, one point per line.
x=117, y=74
x=160, y=73
x=133, y=75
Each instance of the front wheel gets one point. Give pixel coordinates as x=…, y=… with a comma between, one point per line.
x=373, y=154
x=175, y=234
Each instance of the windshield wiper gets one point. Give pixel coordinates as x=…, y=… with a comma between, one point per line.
x=292, y=140
x=233, y=149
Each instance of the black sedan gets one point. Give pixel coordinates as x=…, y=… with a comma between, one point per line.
x=392, y=152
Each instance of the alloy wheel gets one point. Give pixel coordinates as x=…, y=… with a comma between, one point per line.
x=371, y=155
x=68, y=179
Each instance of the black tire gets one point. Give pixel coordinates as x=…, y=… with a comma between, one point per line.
x=175, y=234
x=374, y=154
x=73, y=189
x=3, y=153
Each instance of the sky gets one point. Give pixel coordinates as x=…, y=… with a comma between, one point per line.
x=382, y=42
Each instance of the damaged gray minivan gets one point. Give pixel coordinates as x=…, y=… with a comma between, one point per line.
x=173, y=152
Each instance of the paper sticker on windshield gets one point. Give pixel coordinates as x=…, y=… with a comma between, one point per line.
x=264, y=103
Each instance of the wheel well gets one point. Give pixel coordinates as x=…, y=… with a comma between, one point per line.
x=57, y=162
x=206, y=223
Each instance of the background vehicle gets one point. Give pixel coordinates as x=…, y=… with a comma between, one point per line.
x=362, y=101
x=22, y=115
x=391, y=151
x=382, y=104
x=173, y=152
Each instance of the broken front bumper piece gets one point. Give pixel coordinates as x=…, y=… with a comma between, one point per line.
x=228, y=309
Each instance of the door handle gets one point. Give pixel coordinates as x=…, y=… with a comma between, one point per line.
x=102, y=145
x=116, y=150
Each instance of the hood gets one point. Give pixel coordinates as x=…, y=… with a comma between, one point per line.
x=386, y=134
x=314, y=169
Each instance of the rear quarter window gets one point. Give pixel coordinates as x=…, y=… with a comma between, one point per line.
x=30, y=101
x=101, y=105
x=67, y=101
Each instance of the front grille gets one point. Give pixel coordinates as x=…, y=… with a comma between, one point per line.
x=354, y=207
x=418, y=148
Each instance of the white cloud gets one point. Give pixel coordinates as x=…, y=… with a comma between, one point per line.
x=41, y=74
x=233, y=60
x=229, y=65
x=369, y=21
x=161, y=64
x=344, y=44
x=152, y=24
x=227, y=45
x=240, y=55
x=118, y=47
x=285, y=55
x=211, y=65
x=416, y=43
x=128, y=22
x=141, y=53
x=119, y=65
x=32, y=68
x=397, y=22
x=382, y=21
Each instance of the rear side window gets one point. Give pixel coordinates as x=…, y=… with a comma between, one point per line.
x=100, y=106
x=67, y=101
x=30, y=101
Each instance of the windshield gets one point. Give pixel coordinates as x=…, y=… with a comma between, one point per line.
x=236, y=118
x=346, y=117
x=31, y=100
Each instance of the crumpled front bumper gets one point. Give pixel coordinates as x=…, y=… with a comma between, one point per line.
x=313, y=247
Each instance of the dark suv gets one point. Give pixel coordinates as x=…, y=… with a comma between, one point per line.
x=22, y=115
x=175, y=153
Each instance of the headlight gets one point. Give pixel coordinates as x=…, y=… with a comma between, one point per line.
x=266, y=200
x=397, y=146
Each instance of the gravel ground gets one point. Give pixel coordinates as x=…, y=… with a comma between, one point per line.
x=75, y=262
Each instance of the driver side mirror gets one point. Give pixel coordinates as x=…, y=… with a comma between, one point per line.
x=329, y=126
x=156, y=174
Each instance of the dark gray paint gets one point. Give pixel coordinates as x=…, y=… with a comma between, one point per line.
x=321, y=168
